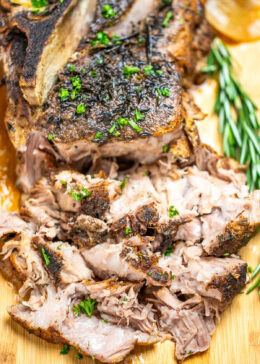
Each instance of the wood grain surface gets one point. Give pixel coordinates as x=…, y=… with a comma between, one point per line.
x=237, y=339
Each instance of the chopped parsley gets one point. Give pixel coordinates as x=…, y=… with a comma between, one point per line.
x=190, y=352
x=168, y=251
x=83, y=70
x=115, y=39
x=250, y=269
x=101, y=38
x=128, y=231
x=135, y=126
x=98, y=135
x=76, y=83
x=138, y=116
x=165, y=148
x=65, y=349
x=140, y=40
x=73, y=94
x=108, y=12
x=87, y=306
x=63, y=94
x=163, y=91
x=173, y=211
x=123, y=184
x=173, y=276
x=166, y=1
x=79, y=356
x=130, y=70
x=80, y=195
x=159, y=72
x=226, y=254
x=181, y=20
x=167, y=18
x=51, y=136
x=81, y=108
x=71, y=67
x=149, y=274
x=59, y=246
x=106, y=321
x=148, y=70
x=38, y=4
x=45, y=256
x=94, y=73
x=92, y=357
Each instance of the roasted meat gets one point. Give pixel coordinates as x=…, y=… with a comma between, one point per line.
x=122, y=88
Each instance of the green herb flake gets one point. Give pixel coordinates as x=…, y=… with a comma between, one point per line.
x=71, y=67
x=168, y=251
x=93, y=73
x=250, y=269
x=80, y=195
x=63, y=93
x=51, y=136
x=167, y=18
x=128, y=231
x=130, y=70
x=226, y=254
x=65, y=349
x=149, y=274
x=83, y=70
x=115, y=39
x=76, y=82
x=81, y=108
x=138, y=116
x=173, y=276
x=181, y=20
x=87, y=306
x=101, y=38
x=79, y=356
x=92, y=357
x=98, y=135
x=159, y=72
x=173, y=211
x=165, y=148
x=76, y=310
x=45, y=256
x=123, y=184
x=106, y=321
x=140, y=40
x=108, y=12
x=59, y=246
x=38, y=4
x=148, y=70
x=190, y=352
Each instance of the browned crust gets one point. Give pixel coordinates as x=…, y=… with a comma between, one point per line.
x=231, y=283
x=236, y=234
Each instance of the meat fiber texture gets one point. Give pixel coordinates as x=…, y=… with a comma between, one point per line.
x=140, y=245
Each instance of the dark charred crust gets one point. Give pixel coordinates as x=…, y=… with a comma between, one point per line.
x=148, y=215
x=119, y=7
x=97, y=203
x=230, y=284
x=38, y=29
x=111, y=94
x=235, y=236
x=55, y=265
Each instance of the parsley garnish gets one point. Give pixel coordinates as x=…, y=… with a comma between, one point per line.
x=106, y=321
x=167, y=18
x=181, y=20
x=83, y=70
x=115, y=39
x=148, y=70
x=165, y=148
x=79, y=356
x=80, y=195
x=59, y=246
x=63, y=94
x=65, y=349
x=102, y=38
x=135, y=126
x=168, y=251
x=128, y=231
x=159, y=72
x=81, y=108
x=98, y=135
x=138, y=116
x=123, y=184
x=226, y=254
x=173, y=276
x=76, y=82
x=108, y=12
x=87, y=306
x=94, y=73
x=45, y=256
x=130, y=70
x=190, y=352
x=173, y=211
x=51, y=136
x=38, y=4
x=71, y=67
x=149, y=274
x=163, y=91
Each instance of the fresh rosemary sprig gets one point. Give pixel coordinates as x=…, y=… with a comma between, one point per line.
x=240, y=136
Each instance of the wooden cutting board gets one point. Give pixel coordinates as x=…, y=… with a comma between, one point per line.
x=237, y=339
